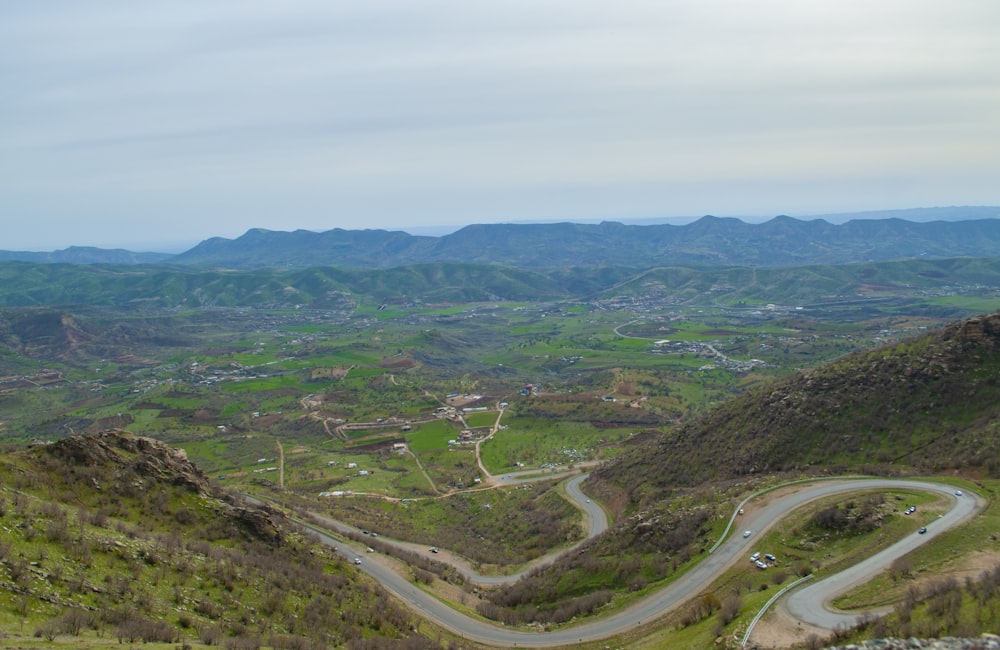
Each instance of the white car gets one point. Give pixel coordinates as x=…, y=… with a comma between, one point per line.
x=746, y=533
x=958, y=493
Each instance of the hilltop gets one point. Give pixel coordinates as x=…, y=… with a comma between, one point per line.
x=927, y=404
x=113, y=538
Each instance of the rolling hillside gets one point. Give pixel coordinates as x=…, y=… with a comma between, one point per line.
x=24, y=284
x=928, y=404
x=112, y=539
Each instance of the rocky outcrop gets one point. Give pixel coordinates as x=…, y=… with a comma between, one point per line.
x=129, y=454
x=982, y=329
x=135, y=465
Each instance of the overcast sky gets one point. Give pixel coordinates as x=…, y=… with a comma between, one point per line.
x=153, y=125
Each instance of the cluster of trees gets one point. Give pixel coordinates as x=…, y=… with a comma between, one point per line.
x=707, y=604
x=522, y=526
x=582, y=581
x=940, y=608
x=853, y=517
x=563, y=612
x=947, y=607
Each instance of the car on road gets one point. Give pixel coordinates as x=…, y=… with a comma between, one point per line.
x=434, y=549
x=922, y=530
x=746, y=533
x=357, y=560
x=958, y=493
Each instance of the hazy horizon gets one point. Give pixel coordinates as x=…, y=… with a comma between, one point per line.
x=133, y=124
x=909, y=214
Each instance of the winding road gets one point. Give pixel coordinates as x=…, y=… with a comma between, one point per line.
x=811, y=604
x=808, y=604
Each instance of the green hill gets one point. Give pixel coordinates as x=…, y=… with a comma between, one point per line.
x=112, y=539
x=928, y=404
x=24, y=284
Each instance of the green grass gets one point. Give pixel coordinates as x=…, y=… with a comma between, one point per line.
x=534, y=442
x=431, y=436
x=482, y=419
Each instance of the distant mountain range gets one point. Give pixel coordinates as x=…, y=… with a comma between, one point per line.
x=85, y=255
x=709, y=241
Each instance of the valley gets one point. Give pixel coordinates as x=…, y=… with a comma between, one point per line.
x=452, y=426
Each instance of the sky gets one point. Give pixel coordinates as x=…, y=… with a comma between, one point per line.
x=154, y=125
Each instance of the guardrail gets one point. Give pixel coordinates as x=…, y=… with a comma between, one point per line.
x=767, y=605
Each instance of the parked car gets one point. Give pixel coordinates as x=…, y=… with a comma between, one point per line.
x=770, y=557
x=755, y=556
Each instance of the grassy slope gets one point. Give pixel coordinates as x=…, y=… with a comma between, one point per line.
x=118, y=538
x=926, y=404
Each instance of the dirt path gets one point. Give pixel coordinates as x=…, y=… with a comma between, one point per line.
x=488, y=478
x=423, y=471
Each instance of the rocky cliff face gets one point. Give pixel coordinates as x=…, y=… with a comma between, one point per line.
x=982, y=330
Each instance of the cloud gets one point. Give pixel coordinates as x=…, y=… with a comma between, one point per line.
x=227, y=115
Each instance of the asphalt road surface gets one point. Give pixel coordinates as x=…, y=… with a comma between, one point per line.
x=811, y=604
x=808, y=604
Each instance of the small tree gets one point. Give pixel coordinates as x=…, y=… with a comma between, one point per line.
x=48, y=630
x=730, y=608
x=74, y=620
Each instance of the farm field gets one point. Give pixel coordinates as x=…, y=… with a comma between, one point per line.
x=402, y=403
